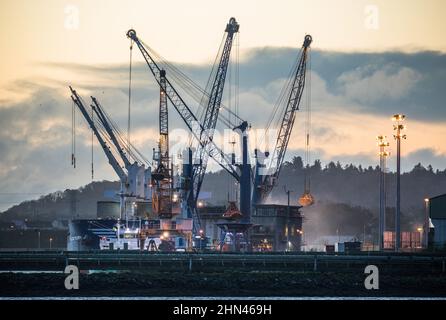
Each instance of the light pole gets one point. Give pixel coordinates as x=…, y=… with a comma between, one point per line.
x=420, y=231
x=288, y=192
x=201, y=232
x=38, y=238
x=302, y=238
x=51, y=241
x=426, y=223
x=398, y=127
x=383, y=154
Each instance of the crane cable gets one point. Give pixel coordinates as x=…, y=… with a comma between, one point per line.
x=232, y=108
x=73, y=135
x=307, y=160
x=236, y=93
x=189, y=86
x=130, y=98
x=205, y=98
x=284, y=93
x=136, y=155
x=92, y=157
x=275, y=120
x=203, y=103
x=237, y=73
x=307, y=199
x=276, y=117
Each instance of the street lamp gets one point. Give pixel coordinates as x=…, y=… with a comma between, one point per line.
x=383, y=154
x=38, y=238
x=398, y=128
x=420, y=231
x=302, y=240
x=51, y=241
x=288, y=247
x=426, y=223
x=201, y=232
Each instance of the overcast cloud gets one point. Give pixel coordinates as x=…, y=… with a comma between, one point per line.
x=353, y=98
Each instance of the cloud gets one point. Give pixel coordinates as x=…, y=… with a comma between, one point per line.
x=374, y=83
x=353, y=96
x=421, y=96
x=371, y=84
x=431, y=157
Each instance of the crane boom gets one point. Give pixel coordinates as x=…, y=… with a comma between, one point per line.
x=162, y=177
x=163, y=122
x=263, y=186
x=97, y=108
x=111, y=158
x=212, y=110
x=133, y=176
x=183, y=110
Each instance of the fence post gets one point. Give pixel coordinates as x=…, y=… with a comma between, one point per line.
x=315, y=263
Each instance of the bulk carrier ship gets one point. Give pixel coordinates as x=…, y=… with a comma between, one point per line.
x=140, y=234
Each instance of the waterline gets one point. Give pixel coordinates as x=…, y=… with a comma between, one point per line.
x=179, y=298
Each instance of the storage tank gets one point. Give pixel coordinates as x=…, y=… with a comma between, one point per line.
x=144, y=209
x=108, y=210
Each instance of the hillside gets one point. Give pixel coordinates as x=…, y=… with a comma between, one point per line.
x=347, y=196
x=79, y=203
x=348, y=184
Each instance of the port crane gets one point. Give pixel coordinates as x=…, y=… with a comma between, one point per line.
x=211, y=114
x=129, y=166
x=162, y=176
x=267, y=174
x=202, y=131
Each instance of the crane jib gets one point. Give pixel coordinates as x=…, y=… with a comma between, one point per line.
x=265, y=183
x=184, y=111
x=205, y=131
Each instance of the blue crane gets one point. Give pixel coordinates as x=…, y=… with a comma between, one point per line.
x=210, y=119
x=266, y=176
x=213, y=108
x=204, y=131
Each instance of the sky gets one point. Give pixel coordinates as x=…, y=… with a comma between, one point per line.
x=369, y=60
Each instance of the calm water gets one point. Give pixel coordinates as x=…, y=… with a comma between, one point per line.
x=226, y=298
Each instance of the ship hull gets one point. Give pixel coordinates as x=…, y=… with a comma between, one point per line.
x=100, y=234
x=84, y=235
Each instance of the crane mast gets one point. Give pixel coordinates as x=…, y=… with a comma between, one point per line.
x=266, y=178
x=203, y=132
x=183, y=110
x=111, y=158
x=163, y=123
x=211, y=115
x=162, y=177
x=97, y=108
